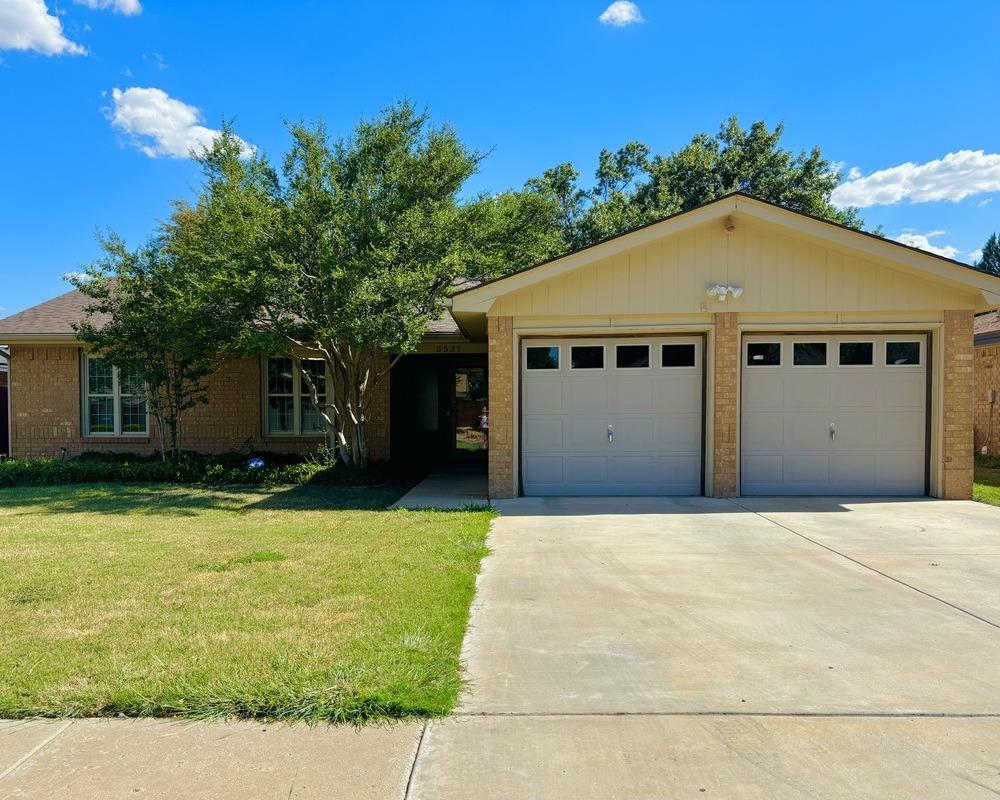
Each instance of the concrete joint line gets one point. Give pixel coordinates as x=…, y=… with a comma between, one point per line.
x=868, y=567
x=779, y=714
x=33, y=751
x=413, y=767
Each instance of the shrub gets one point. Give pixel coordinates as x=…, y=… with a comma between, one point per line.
x=225, y=469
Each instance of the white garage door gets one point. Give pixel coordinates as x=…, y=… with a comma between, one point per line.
x=834, y=414
x=610, y=416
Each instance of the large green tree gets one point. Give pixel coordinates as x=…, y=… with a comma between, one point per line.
x=632, y=187
x=145, y=318
x=989, y=261
x=348, y=252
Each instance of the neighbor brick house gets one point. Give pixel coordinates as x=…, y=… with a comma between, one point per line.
x=737, y=348
x=987, y=402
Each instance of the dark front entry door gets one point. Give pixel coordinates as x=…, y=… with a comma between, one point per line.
x=439, y=410
x=469, y=414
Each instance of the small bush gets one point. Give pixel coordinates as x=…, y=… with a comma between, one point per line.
x=221, y=470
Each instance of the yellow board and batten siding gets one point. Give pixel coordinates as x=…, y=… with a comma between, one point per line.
x=778, y=271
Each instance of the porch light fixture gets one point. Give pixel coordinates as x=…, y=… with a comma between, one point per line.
x=723, y=293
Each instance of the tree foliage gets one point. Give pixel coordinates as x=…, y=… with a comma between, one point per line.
x=989, y=261
x=349, y=251
x=632, y=188
x=146, y=319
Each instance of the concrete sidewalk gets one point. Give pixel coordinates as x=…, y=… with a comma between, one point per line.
x=447, y=489
x=163, y=760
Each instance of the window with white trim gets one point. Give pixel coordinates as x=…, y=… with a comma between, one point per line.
x=113, y=402
x=288, y=406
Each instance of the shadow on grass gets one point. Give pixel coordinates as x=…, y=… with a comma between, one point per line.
x=189, y=501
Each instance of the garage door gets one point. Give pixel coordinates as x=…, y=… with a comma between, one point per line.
x=834, y=415
x=610, y=416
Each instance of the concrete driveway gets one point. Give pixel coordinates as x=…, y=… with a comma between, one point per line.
x=760, y=648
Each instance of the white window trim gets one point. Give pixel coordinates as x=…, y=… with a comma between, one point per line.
x=559, y=358
x=781, y=354
x=300, y=392
x=921, y=347
x=824, y=365
x=695, y=365
x=875, y=354
x=116, y=398
x=604, y=359
x=649, y=355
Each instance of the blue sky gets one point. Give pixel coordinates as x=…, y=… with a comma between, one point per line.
x=885, y=88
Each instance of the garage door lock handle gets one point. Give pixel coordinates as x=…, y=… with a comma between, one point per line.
x=611, y=435
x=833, y=431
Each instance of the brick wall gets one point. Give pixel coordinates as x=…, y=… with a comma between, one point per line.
x=46, y=411
x=3, y=379
x=958, y=390
x=987, y=415
x=725, y=447
x=501, y=453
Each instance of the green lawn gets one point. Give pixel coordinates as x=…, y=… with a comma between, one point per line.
x=299, y=603
x=987, y=485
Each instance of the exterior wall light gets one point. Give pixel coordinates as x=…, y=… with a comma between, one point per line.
x=722, y=293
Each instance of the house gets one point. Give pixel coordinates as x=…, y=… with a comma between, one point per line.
x=987, y=413
x=4, y=408
x=737, y=348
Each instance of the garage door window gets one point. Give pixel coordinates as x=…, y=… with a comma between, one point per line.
x=632, y=356
x=677, y=355
x=542, y=358
x=764, y=354
x=587, y=357
x=902, y=354
x=809, y=354
x=857, y=354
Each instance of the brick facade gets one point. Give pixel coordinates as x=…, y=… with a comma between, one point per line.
x=46, y=411
x=725, y=419
x=958, y=388
x=501, y=454
x=987, y=415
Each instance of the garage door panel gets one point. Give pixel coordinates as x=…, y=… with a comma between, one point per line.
x=806, y=468
x=626, y=394
x=585, y=395
x=542, y=434
x=903, y=391
x=806, y=431
x=677, y=432
x=852, y=468
x=762, y=394
x=543, y=395
x=543, y=469
x=655, y=414
x=901, y=429
x=879, y=412
x=763, y=432
x=805, y=391
x=677, y=390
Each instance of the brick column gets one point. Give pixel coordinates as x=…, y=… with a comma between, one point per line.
x=501, y=380
x=725, y=447
x=955, y=360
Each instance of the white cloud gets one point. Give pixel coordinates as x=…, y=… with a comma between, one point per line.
x=621, y=13
x=81, y=277
x=954, y=177
x=984, y=203
x=853, y=174
x=127, y=7
x=974, y=255
x=28, y=25
x=922, y=241
x=159, y=125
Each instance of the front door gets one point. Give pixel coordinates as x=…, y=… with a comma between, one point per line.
x=469, y=413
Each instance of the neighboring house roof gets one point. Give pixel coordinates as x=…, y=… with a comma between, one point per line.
x=54, y=319
x=987, y=328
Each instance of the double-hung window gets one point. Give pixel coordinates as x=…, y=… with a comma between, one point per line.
x=289, y=409
x=113, y=401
